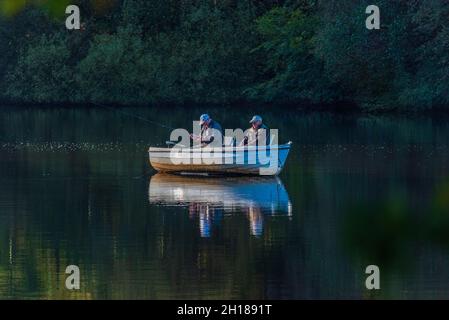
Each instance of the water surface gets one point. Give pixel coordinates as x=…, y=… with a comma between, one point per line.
x=76, y=188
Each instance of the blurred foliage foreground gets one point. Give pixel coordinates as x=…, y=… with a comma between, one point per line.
x=205, y=51
x=384, y=233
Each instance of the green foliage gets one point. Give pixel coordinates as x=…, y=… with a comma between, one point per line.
x=206, y=51
x=55, y=8
x=327, y=55
x=118, y=69
x=426, y=81
x=402, y=66
x=208, y=58
x=200, y=54
x=292, y=71
x=42, y=73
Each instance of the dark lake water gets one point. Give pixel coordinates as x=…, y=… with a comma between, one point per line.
x=76, y=188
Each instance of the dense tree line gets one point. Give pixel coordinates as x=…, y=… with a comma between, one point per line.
x=307, y=52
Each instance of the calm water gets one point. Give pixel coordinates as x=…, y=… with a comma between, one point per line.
x=76, y=188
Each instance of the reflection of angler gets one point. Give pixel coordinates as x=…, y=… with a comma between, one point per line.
x=207, y=215
x=205, y=224
x=255, y=218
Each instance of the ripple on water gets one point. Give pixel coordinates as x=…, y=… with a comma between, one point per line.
x=65, y=146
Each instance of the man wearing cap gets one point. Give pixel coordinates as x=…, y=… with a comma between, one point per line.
x=210, y=131
x=257, y=131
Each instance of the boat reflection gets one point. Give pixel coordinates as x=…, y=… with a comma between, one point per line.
x=209, y=199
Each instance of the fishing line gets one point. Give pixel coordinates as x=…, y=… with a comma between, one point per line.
x=135, y=116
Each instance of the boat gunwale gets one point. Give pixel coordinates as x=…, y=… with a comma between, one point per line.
x=222, y=149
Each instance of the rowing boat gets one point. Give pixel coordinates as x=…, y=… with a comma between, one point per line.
x=245, y=160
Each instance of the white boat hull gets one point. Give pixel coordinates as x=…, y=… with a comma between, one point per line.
x=227, y=160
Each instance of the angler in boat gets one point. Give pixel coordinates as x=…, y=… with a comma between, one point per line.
x=258, y=131
x=211, y=131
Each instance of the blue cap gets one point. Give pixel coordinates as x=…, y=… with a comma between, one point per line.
x=204, y=118
x=256, y=118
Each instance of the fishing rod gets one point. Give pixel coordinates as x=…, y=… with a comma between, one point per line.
x=168, y=143
x=135, y=116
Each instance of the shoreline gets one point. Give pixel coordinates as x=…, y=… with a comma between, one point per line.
x=337, y=108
